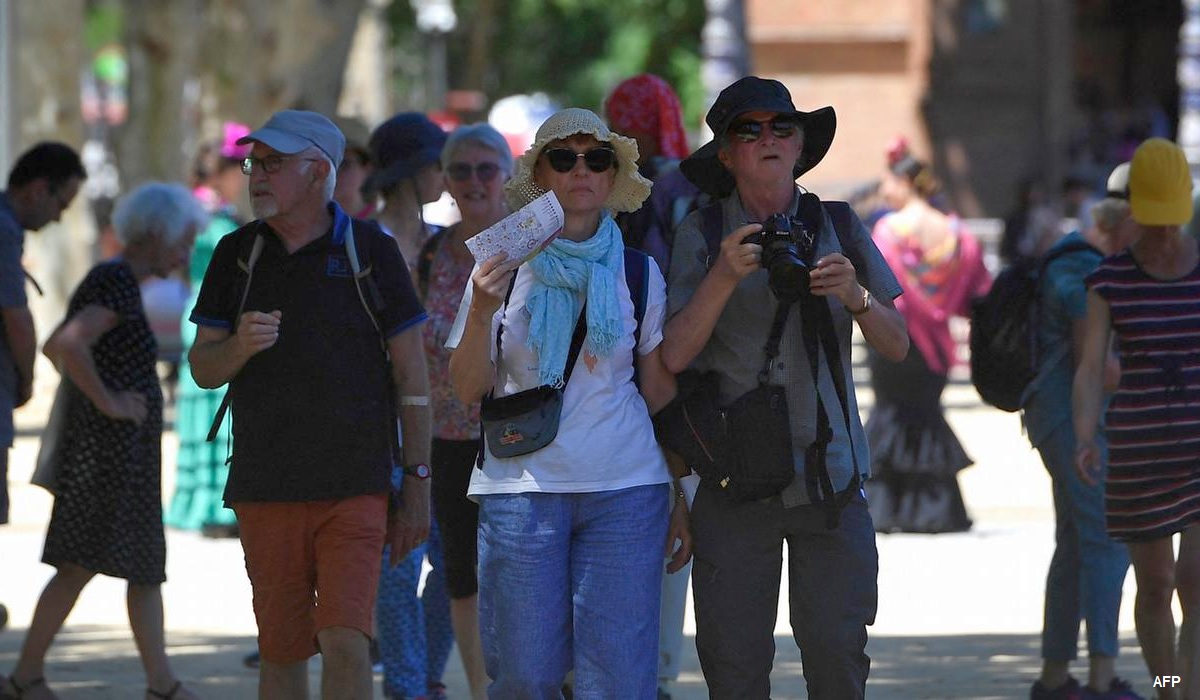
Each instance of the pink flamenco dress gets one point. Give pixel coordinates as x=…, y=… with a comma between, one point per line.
x=915, y=455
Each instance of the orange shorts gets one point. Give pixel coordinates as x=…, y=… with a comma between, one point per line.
x=312, y=565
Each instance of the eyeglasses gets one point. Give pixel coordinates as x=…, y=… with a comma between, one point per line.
x=597, y=159
x=749, y=131
x=269, y=165
x=461, y=172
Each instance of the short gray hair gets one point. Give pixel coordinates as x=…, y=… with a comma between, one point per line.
x=168, y=211
x=330, y=183
x=481, y=134
x=1109, y=212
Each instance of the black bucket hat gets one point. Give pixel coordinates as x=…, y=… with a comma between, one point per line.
x=401, y=146
x=754, y=94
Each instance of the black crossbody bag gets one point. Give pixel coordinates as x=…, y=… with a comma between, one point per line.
x=526, y=421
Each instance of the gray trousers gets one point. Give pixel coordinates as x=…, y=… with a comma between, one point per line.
x=833, y=594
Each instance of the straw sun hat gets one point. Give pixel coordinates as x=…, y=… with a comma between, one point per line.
x=630, y=189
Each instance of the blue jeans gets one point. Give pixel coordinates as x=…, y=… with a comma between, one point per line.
x=571, y=580
x=1088, y=568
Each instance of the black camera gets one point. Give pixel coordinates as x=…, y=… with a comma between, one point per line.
x=786, y=255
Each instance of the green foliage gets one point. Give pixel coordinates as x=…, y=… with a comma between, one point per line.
x=577, y=50
x=102, y=24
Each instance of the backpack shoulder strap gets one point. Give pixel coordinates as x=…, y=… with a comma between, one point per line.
x=710, y=226
x=364, y=282
x=843, y=217
x=425, y=260
x=637, y=274
x=248, y=254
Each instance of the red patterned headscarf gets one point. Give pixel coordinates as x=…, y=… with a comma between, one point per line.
x=646, y=103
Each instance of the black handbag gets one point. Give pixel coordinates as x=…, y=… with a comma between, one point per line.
x=526, y=421
x=745, y=448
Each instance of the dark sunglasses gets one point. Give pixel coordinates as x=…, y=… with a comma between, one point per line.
x=749, y=130
x=461, y=172
x=597, y=159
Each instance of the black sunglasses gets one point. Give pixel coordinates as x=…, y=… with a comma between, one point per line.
x=750, y=130
x=597, y=159
x=461, y=172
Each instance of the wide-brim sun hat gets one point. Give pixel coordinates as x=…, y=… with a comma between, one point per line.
x=753, y=94
x=1160, y=184
x=629, y=190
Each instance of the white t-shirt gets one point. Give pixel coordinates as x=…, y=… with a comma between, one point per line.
x=605, y=441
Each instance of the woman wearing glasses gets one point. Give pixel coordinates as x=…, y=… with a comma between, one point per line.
x=476, y=162
x=571, y=535
x=415, y=634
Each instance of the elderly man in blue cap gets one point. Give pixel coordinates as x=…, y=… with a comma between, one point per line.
x=321, y=362
x=771, y=265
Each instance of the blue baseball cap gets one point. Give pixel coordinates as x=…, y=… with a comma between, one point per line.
x=293, y=130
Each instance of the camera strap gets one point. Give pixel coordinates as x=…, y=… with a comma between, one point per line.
x=819, y=335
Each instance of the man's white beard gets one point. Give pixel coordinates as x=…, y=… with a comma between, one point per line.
x=264, y=207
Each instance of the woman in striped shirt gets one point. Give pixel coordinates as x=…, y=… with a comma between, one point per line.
x=1149, y=296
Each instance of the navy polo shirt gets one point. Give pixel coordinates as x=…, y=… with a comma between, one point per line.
x=311, y=419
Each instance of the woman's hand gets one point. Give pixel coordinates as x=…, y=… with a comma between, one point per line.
x=491, y=283
x=1087, y=461
x=126, y=405
x=834, y=275
x=678, y=530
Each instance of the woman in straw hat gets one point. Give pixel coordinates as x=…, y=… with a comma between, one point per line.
x=571, y=536
x=1149, y=297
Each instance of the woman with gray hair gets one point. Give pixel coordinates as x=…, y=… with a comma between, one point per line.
x=107, y=515
x=476, y=161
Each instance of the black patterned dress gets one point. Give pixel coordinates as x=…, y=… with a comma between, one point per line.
x=108, y=510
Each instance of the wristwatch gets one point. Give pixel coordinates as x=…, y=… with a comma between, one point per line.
x=866, y=304
x=419, y=470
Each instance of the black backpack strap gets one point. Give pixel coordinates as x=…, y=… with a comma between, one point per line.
x=246, y=264
x=637, y=276
x=711, y=223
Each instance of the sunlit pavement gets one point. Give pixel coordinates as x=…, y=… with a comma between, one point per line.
x=959, y=615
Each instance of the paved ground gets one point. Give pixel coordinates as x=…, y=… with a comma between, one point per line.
x=959, y=614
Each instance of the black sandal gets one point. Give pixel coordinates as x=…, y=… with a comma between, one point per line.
x=18, y=689
x=167, y=695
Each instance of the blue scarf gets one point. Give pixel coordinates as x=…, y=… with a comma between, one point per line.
x=560, y=273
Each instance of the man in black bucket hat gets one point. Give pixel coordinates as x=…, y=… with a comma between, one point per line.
x=733, y=282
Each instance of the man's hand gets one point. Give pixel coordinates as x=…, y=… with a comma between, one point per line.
x=679, y=530
x=408, y=526
x=256, y=332
x=737, y=259
x=834, y=275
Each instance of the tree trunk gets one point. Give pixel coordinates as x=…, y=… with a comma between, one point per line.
x=161, y=45
x=261, y=57
x=47, y=61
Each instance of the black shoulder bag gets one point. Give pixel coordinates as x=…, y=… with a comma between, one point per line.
x=526, y=421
